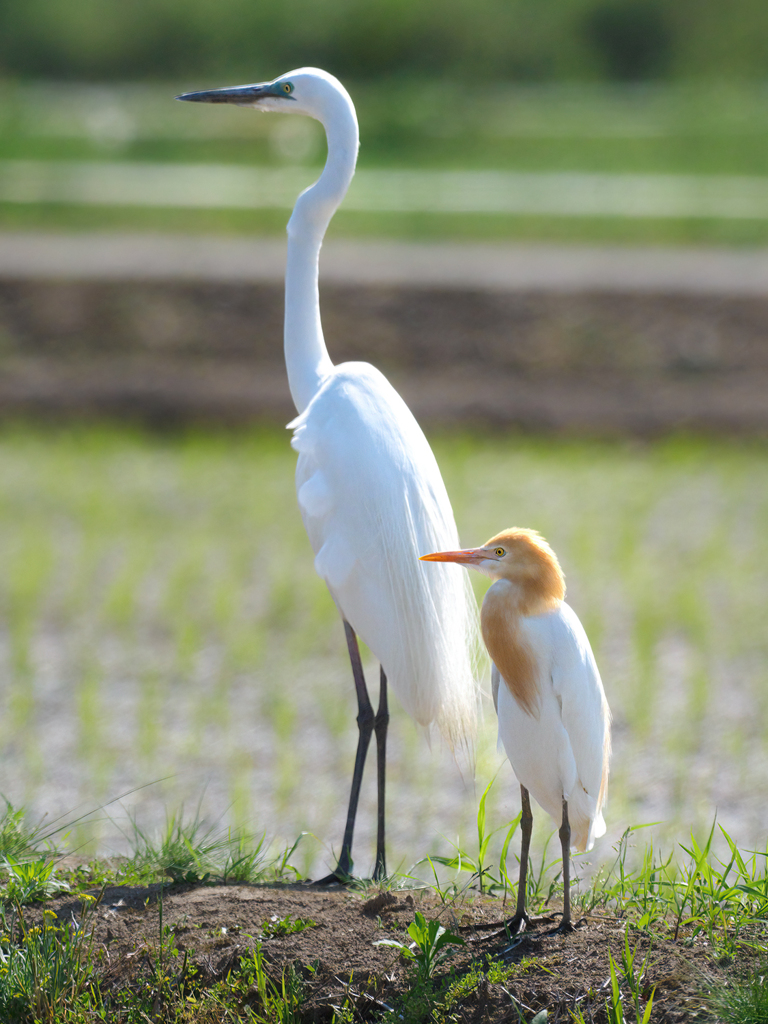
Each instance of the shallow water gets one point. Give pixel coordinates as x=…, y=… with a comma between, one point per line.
x=164, y=638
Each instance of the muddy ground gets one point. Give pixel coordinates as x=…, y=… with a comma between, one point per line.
x=216, y=925
x=168, y=352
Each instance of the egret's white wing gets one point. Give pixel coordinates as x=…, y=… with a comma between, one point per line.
x=373, y=500
x=579, y=689
x=585, y=715
x=562, y=752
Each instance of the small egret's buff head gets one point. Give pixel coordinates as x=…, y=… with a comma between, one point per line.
x=305, y=91
x=524, y=559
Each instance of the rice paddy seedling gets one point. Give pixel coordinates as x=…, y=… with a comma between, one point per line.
x=483, y=838
x=160, y=623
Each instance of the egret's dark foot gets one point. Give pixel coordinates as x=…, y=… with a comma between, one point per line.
x=337, y=877
x=517, y=924
x=342, y=876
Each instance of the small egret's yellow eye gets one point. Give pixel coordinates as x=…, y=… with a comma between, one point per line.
x=499, y=552
x=287, y=88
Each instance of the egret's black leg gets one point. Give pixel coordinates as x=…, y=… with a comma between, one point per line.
x=521, y=919
x=365, y=724
x=565, y=845
x=381, y=723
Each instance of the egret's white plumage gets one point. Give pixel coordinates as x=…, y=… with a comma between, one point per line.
x=559, y=753
x=369, y=488
x=372, y=498
x=554, y=721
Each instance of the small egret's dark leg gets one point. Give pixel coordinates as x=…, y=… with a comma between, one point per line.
x=382, y=721
x=365, y=724
x=521, y=919
x=565, y=845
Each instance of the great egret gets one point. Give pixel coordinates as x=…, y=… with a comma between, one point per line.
x=369, y=488
x=554, y=720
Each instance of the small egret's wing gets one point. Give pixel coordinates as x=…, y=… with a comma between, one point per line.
x=585, y=716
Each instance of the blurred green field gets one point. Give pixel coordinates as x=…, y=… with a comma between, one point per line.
x=470, y=40
x=673, y=128
x=162, y=626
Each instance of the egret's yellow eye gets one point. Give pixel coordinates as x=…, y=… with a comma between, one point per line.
x=287, y=88
x=499, y=552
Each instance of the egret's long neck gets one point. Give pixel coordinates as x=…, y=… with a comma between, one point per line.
x=306, y=357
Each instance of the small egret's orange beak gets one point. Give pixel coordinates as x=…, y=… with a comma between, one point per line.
x=467, y=556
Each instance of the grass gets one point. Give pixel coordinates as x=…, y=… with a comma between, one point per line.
x=45, y=970
x=745, y=1001
x=701, y=128
x=687, y=895
x=191, y=852
x=18, y=838
x=52, y=972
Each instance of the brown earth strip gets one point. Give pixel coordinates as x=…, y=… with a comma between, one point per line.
x=216, y=925
x=177, y=352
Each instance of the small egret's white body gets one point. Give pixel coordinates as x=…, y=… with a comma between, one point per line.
x=369, y=488
x=554, y=721
x=558, y=754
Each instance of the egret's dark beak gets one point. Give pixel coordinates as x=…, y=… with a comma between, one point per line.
x=243, y=95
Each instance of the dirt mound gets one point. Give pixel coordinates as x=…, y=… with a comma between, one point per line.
x=338, y=958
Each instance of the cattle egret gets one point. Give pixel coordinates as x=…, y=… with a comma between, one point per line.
x=369, y=488
x=554, y=720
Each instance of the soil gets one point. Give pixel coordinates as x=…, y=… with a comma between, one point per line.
x=216, y=925
x=170, y=352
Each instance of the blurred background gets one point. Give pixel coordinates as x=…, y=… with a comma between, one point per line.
x=553, y=246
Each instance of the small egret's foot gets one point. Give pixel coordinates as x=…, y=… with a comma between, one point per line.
x=565, y=925
x=564, y=928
